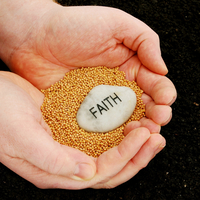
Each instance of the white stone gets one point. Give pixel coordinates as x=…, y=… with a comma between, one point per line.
x=106, y=107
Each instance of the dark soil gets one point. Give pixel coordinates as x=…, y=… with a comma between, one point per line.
x=175, y=172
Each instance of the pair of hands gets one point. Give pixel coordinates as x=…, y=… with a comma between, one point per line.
x=66, y=38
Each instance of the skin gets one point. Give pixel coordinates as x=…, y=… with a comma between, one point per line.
x=52, y=40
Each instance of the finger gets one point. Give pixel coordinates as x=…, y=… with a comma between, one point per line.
x=112, y=161
x=153, y=146
x=131, y=68
x=150, y=55
x=141, y=39
x=131, y=126
x=144, y=122
x=151, y=125
x=160, y=114
x=160, y=88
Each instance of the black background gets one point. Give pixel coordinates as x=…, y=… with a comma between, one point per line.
x=175, y=172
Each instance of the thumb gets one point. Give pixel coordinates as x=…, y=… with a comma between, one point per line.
x=150, y=55
x=65, y=161
x=142, y=40
x=42, y=151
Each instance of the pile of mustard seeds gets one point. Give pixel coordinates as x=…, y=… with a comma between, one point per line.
x=63, y=99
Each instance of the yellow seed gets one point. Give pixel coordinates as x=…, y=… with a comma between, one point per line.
x=63, y=99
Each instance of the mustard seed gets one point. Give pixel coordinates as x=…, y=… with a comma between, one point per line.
x=63, y=99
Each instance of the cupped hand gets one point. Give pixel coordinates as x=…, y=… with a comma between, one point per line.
x=67, y=38
x=27, y=148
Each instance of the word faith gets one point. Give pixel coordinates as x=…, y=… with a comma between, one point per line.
x=107, y=103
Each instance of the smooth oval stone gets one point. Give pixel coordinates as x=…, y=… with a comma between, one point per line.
x=106, y=107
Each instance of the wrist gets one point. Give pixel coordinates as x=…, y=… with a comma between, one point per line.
x=17, y=19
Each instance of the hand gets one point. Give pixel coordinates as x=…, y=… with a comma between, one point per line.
x=27, y=148
x=66, y=38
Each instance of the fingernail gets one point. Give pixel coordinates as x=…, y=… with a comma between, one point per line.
x=160, y=147
x=172, y=101
x=168, y=120
x=84, y=171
